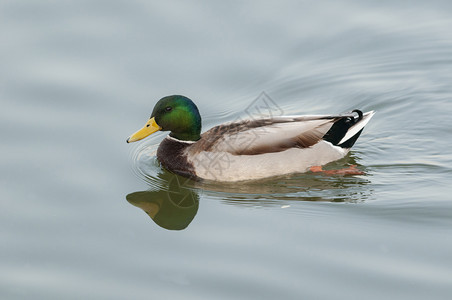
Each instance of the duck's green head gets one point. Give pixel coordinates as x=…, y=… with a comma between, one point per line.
x=177, y=114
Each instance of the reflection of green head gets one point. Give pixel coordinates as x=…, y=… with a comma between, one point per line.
x=170, y=210
x=179, y=115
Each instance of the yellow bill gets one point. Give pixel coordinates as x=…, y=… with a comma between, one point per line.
x=147, y=130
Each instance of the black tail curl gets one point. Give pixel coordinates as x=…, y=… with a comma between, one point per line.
x=340, y=128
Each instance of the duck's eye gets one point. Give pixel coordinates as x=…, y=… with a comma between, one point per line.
x=168, y=108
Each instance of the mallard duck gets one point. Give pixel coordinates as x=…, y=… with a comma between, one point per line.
x=249, y=149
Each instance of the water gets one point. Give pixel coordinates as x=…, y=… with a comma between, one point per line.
x=78, y=77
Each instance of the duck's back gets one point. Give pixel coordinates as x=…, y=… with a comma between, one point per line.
x=270, y=147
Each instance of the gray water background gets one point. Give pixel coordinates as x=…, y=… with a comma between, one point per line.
x=78, y=77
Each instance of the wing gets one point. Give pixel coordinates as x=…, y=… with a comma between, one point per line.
x=266, y=135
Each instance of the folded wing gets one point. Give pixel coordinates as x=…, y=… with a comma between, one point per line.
x=266, y=135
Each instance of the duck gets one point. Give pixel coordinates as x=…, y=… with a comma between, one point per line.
x=249, y=149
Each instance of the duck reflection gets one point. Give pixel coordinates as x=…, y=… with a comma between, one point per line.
x=174, y=200
x=303, y=187
x=172, y=208
x=308, y=186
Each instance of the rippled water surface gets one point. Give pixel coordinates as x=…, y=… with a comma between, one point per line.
x=86, y=216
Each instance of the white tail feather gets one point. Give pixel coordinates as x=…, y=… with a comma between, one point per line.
x=358, y=126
